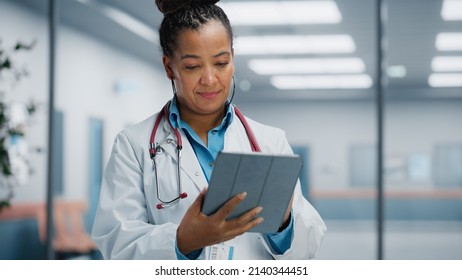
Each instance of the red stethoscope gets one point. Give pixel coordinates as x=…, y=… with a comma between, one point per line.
x=154, y=148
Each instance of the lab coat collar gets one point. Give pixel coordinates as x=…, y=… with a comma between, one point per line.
x=236, y=139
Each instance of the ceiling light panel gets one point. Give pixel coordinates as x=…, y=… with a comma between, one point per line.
x=445, y=80
x=127, y=21
x=282, y=12
x=361, y=81
x=451, y=10
x=449, y=41
x=447, y=64
x=306, y=66
x=294, y=44
x=131, y=23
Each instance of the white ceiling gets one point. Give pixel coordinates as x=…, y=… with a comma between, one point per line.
x=409, y=32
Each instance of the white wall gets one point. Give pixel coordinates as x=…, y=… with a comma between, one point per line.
x=329, y=128
x=86, y=71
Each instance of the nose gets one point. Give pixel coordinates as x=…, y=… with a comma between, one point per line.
x=208, y=76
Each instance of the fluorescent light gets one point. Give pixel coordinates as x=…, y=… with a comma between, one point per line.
x=131, y=24
x=452, y=10
x=322, y=82
x=134, y=25
x=447, y=64
x=282, y=12
x=306, y=66
x=449, y=41
x=445, y=80
x=294, y=44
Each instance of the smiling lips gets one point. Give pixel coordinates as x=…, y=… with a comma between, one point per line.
x=208, y=94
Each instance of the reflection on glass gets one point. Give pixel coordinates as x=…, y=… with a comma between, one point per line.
x=423, y=155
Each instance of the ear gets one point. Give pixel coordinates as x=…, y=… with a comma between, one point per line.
x=168, y=68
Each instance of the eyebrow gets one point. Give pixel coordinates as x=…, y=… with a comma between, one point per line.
x=196, y=56
x=222, y=53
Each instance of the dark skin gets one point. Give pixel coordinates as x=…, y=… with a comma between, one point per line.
x=215, y=228
x=202, y=67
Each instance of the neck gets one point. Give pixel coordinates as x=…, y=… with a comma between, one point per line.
x=202, y=124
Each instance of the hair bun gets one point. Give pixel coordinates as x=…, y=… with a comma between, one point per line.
x=170, y=6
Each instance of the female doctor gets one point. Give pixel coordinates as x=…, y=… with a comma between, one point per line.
x=155, y=180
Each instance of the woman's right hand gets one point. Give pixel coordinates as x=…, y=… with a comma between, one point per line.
x=196, y=230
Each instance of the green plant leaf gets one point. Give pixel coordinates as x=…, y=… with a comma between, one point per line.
x=6, y=64
x=5, y=159
x=4, y=204
x=22, y=46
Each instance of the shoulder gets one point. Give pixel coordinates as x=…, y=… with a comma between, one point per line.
x=260, y=127
x=270, y=139
x=132, y=143
x=137, y=135
x=265, y=129
x=143, y=127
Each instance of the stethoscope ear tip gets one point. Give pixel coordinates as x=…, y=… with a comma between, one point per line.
x=159, y=206
x=183, y=195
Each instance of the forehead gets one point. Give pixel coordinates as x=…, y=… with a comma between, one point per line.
x=209, y=39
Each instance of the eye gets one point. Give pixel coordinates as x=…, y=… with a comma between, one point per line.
x=222, y=63
x=191, y=67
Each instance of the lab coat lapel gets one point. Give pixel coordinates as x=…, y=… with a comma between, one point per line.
x=236, y=139
x=189, y=163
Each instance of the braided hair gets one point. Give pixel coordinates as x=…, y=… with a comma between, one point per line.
x=187, y=14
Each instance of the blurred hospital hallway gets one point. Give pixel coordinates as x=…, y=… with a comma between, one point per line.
x=353, y=92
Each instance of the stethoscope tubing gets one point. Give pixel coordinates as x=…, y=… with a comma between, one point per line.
x=153, y=149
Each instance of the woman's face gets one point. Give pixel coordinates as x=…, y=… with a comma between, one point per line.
x=202, y=67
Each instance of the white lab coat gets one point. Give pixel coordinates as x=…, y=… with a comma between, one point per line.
x=129, y=226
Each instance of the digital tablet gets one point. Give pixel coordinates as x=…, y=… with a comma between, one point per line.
x=269, y=181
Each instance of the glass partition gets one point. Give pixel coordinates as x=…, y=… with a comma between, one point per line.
x=423, y=139
x=324, y=99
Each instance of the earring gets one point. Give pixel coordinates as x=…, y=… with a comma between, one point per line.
x=173, y=87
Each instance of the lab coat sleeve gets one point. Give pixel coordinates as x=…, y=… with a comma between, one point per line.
x=121, y=229
x=308, y=228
